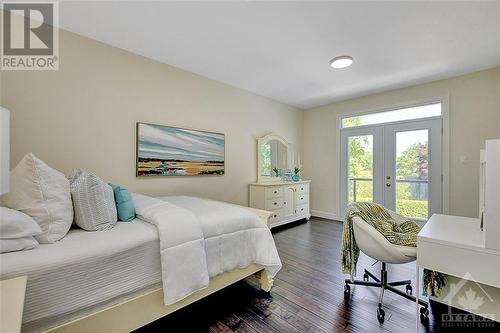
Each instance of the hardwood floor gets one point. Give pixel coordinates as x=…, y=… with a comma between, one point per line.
x=308, y=294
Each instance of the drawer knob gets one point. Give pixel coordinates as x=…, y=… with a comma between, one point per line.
x=302, y=209
x=275, y=192
x=275, y=203
x=284, y=203
x=275, y=215
x=302, y=189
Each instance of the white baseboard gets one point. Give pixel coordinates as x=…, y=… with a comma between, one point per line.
x=326, y=215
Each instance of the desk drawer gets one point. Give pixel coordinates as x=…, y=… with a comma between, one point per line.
x=274, y=204
x=483, y=266
x=274, y=192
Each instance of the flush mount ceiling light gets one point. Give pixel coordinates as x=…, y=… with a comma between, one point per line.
x=341, y=62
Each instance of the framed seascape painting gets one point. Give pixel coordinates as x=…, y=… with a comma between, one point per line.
x=174, y=151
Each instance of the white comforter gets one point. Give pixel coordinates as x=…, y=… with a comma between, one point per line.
x=201, y=238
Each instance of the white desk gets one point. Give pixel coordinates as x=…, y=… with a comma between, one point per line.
x=454, y=246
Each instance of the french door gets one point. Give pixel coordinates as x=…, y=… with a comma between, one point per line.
x=397, y=165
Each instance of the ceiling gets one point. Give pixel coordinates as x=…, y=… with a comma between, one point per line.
x=281, y=49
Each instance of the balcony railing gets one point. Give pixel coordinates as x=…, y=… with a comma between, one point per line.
x=418, y=191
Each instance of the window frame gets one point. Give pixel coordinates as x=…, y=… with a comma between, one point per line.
x=343, y=116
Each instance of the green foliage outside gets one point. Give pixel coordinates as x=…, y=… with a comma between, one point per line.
x=412, y=208
x=360, y=163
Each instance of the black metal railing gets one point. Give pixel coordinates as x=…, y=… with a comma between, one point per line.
x=355, y=181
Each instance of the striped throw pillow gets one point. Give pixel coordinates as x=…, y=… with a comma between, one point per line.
x=93, y=201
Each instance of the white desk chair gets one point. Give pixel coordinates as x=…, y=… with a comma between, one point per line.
x=375, y=245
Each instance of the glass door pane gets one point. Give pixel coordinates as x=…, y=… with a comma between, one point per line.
x=360, y=168
x=412, y=174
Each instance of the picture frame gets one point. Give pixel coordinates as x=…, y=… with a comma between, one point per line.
x=170, y=151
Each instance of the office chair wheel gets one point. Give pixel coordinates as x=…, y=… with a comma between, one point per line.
x=347, y=290
x=380, y=315
x=365, y=277
x=409, y=289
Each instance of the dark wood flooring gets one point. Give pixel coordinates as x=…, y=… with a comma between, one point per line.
x=308, y=294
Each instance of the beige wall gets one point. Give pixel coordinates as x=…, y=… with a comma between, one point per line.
x=474, y=115
x=84, y=115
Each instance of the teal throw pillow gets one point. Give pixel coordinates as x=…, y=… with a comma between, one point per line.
x=124, y=204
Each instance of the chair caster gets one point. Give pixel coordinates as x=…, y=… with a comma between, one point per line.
x=365, y=277
x=347, y=290
x=380, y=315
x=424, y=314
x=409, y=289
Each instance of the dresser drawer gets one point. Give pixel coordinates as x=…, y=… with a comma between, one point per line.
x=302, y=188
x=302, y=209
x=276, y=216
x=274, y=192
x=301, y=199
x=274, y=204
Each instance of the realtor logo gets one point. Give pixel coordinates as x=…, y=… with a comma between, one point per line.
x=29, y=39
x=470, y=296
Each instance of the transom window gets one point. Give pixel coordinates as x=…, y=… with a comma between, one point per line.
x=415, y=112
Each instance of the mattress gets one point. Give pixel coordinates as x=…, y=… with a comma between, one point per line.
x=85, y=272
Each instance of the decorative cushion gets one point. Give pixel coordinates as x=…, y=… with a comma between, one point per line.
x=124, y=204
x=18, y=244
x=42, y=193
x=14, y=224
x=93, y=201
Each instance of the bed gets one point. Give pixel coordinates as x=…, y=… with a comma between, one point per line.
x=112, y=280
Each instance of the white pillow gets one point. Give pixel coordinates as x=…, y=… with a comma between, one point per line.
x=14, y=224
x=93, y=201
x=42, y=193
x=17, y=244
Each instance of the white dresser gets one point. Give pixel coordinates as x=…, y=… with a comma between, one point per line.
x=288, y=201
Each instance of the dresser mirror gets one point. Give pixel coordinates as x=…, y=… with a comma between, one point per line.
x=273, y=154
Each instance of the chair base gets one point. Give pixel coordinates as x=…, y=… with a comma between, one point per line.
x=383, y=284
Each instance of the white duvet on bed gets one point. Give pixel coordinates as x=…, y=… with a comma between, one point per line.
x=202, y=238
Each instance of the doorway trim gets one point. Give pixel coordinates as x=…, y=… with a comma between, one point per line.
x=445, y=142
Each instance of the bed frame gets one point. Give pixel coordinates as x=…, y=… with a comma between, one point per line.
x=148, y=307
